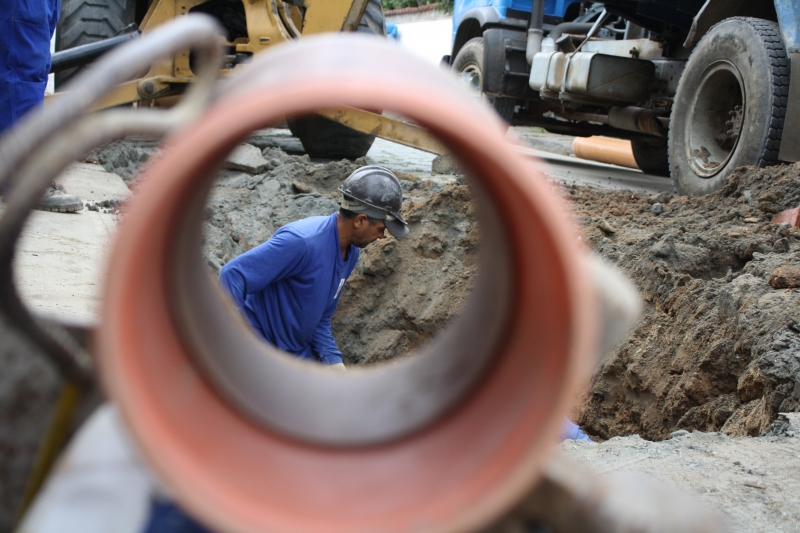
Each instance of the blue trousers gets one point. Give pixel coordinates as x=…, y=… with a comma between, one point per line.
x=166, y=517
x=571, y=431
x=26, y=27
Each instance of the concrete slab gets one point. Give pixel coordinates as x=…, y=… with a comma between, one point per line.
x=246, y=158
x=400, y=158
x=59, y=265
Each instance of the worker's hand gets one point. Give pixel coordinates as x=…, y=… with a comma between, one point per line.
x=338, y=366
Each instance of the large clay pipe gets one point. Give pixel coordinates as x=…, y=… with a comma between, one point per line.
x=442, y=442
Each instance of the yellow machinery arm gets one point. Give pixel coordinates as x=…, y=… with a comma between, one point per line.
x=269, y=22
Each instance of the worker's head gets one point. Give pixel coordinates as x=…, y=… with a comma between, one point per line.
x=363, y=229
x=371, y=201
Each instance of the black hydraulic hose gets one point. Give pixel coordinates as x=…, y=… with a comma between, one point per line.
x=81, y=55
x=576, y=28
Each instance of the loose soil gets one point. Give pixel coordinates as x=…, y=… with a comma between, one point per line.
x=717, y=348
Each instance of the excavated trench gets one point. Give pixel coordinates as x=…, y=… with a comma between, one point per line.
x=717, y=348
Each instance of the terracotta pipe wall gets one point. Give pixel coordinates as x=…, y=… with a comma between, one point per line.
x=494, y=387
x=605, y=150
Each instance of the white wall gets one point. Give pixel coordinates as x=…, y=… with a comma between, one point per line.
x=429, y=39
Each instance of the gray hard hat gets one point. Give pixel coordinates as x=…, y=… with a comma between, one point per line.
x=376, y=192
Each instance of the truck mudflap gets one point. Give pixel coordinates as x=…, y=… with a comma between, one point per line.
x=506, y=70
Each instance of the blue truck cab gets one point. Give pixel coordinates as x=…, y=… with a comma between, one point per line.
x=472, y=17
x=555, y=10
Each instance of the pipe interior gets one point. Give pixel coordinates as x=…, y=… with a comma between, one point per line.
x=363, y=405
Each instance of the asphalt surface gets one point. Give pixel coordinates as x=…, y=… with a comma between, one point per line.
x=562, y=168
x=573, y=170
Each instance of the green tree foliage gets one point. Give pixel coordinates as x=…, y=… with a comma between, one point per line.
x=389, y=5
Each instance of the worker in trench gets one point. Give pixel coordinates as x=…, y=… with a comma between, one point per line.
x=26, y=28
x=288, y=287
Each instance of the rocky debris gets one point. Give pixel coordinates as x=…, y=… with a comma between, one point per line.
x=301, y=188
x=605, y=227
x=246, y=158
x=107, y=206
x=786, y=425
x=784, y=277
x=445, y=164
x=124, y=157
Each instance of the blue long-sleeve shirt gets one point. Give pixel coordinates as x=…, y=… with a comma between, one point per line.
x=288, y=287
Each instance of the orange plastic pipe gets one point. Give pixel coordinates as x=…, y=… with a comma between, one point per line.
x=605, y=150
x=458, y=472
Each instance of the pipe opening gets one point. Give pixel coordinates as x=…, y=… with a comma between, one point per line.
x=303, y=398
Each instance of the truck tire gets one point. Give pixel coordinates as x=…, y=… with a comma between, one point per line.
x=325, y=138
x=730, y=105
x=89, y=21
x=468, y=65
x=651, y=156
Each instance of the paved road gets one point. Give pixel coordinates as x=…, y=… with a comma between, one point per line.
x=569, y=170
x=565, y=169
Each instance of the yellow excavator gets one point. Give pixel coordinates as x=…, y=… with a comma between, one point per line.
x=88, y=28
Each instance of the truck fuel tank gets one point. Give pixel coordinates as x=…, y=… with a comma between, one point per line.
x=547, y=73
x=590, y=76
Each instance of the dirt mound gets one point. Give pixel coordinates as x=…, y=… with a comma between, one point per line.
x=718, y=348
x=403, y=292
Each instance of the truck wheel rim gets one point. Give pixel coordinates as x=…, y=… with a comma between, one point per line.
x=472, y=79
x=714, y=117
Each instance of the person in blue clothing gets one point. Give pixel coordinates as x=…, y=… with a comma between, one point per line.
x=288, y=287
x=26, y=27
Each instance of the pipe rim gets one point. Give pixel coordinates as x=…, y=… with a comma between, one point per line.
x=495, y=454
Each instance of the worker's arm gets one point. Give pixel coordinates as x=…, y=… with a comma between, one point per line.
x=323, y=344
x=272, y=261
